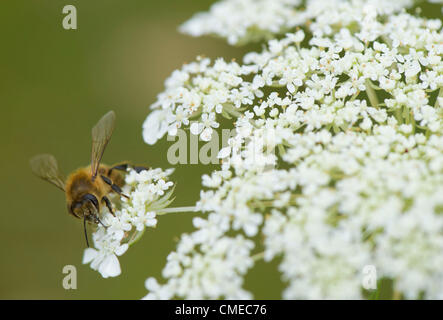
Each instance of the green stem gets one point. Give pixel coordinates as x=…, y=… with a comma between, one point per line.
x=175, y=210
x=355, y=96
x=229, y=108
x=135, y=237
x=258, y=256
x=407, y=115
x=276, y=84
x=440, y=95
x=399, y=115
x=372, y=95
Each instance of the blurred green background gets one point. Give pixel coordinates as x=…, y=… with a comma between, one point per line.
x=55, y=85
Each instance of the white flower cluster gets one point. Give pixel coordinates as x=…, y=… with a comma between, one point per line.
x=365, y=199
x=203, y=90
x=242, y=21
x=146, y=191
x=337, y=160
x=211, y=269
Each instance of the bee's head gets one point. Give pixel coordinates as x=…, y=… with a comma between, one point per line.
x=86, y=208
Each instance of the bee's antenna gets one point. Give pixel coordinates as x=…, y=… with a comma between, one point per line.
x=86, y=232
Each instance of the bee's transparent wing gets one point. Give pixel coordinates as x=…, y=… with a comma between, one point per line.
x=101, y=134
x=45, y=166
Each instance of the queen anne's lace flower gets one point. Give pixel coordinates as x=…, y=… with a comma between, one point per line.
x=337, y=158
x=146, y=191
x=217, y=266
x=247, y=20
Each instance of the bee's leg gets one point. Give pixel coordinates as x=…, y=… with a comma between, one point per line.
x=140, y=169
x=108, y=205
x=97, y=221
x=94, y=215
x=125, y=166
x=113, y=186
x=120, y=167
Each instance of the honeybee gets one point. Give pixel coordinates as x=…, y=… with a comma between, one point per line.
x=87, y=188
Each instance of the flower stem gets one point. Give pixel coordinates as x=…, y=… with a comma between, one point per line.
x=229, y=108
x=135, y=237
x=439, y=97
x=175, y=210
x=355, y=96
x=399, y=115
x=372, y=95
x=258, y=256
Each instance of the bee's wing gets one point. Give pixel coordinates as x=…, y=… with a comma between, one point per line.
x=45, y=166
x=101, y=134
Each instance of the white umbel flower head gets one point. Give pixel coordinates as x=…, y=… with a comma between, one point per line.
x=337, y=158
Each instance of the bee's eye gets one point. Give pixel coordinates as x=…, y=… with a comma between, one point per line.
x=75, y=209
x=77, y=205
